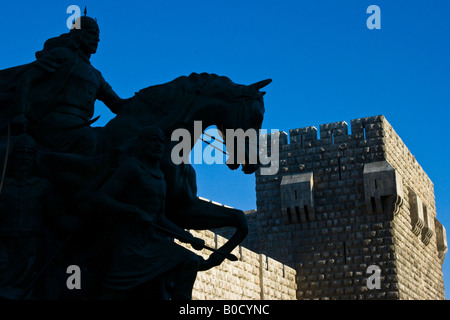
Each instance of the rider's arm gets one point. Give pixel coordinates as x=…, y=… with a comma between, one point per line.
x=166, y=223
x=106, y=197
x=110, y=98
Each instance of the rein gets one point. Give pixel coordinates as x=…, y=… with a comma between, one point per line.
x=215, y=139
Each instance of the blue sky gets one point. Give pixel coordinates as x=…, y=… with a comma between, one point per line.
x=326, y=65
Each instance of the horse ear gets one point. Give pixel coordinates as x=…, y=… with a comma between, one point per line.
x=260, y=84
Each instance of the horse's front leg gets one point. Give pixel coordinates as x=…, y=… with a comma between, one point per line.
x=202, y=215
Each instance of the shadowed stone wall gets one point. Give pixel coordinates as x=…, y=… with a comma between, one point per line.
x=254, y=277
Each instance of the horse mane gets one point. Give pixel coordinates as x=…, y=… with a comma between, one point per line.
x=166, y=99
x=178, y=89
x=175, y=101
x=194, y=84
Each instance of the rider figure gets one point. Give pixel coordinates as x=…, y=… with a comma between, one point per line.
x=60, y=89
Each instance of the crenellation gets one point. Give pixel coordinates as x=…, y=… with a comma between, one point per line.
x=302, y=135
x=332, y=130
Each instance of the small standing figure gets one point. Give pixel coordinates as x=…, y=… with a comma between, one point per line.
x=139, y=253
x=24, y=208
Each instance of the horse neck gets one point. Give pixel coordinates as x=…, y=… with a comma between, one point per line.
x=181, y=112
x=195, y=122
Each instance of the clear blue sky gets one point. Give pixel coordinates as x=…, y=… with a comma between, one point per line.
x=325, y=64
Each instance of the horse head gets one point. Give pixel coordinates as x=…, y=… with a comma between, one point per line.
x=214, y=100
x=240, y=126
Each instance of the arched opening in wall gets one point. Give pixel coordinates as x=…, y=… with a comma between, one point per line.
x=297, y=213
x=289, y=214
x=373, y=205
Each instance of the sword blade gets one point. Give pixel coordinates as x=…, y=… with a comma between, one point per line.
x=178, y=236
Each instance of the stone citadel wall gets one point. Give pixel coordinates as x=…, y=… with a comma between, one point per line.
x=339, y=205
x=343, y=202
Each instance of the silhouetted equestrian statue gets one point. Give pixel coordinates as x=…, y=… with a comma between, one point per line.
x=106, y=203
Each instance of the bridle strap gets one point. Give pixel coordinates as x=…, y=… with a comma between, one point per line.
x=215, y=139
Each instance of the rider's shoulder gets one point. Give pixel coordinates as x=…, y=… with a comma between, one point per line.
x=59, y=54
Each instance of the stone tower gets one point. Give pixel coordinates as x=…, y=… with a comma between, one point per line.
x=343, y=207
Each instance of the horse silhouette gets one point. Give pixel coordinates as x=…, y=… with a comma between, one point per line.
x=215, y=101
